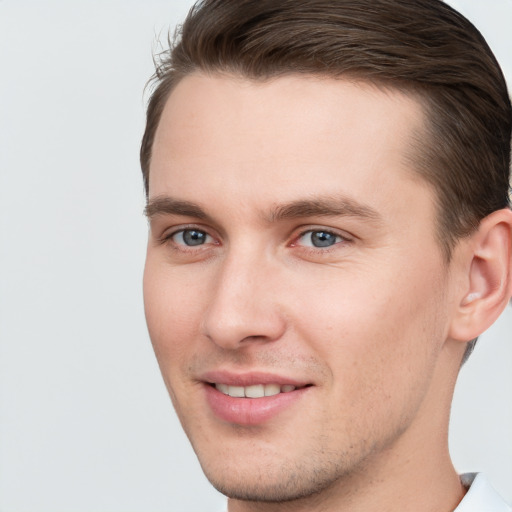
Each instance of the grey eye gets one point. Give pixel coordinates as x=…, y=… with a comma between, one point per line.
x=319, y=239
x=191, y=237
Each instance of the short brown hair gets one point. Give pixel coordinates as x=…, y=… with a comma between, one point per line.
x=422, y=47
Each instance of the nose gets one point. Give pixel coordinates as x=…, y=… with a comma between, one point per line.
x=244, y=307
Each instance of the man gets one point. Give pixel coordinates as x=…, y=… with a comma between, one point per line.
x=330, y=231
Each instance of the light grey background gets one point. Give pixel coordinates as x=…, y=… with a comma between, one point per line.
x=85, y=422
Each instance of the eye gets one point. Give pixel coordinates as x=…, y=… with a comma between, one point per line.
x=191, y=237
x=319, y=239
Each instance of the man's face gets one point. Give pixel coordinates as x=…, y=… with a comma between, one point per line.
x=293, y=252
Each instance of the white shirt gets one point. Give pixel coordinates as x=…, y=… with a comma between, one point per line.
x=481, y=497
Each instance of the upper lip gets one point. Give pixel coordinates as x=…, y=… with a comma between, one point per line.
x=249, y=378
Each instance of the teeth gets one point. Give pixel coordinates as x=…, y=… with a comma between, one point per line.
x=223, y=388
x=236, y=391
x=272, y=389
x=254, y=391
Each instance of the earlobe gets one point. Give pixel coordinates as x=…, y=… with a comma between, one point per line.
x=489, y=277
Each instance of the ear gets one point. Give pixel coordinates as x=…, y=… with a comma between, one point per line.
x=488, y=282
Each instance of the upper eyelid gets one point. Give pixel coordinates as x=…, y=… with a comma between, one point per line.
x=169, y=232
x=329, y=231
x=333, y=231
x=162, y=222
x=325, y=230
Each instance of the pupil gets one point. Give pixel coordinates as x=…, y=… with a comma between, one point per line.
x=193, y=237
x=322, y=239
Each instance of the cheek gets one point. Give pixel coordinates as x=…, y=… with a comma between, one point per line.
x=380, y=347
x=173, y=310
x=379, y=327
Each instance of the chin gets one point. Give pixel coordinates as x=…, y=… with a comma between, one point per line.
x=290, y=488
x=271, y=482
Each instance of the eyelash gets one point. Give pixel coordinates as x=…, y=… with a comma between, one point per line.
x=183, y=248
x=168, y=239
x=343, y=239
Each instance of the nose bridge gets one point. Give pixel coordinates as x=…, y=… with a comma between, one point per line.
x=244, y=304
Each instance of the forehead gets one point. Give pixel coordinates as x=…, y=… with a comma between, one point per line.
x=283, y=138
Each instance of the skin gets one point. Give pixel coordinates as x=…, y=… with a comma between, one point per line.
x=365, y=322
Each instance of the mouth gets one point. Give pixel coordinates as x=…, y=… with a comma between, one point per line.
x=255, y=390
x=253, y=398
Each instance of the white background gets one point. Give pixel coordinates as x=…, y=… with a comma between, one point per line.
x=85, y=422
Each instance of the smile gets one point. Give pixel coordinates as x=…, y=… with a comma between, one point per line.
x=255, y=390
x=251, y=398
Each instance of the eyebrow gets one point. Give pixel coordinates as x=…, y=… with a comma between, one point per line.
x=324, y=207
x=166, y=205
x=315, y=207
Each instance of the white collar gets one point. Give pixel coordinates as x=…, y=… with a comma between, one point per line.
x=481, y=497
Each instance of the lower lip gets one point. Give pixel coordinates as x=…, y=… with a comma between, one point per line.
x=250, y=411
